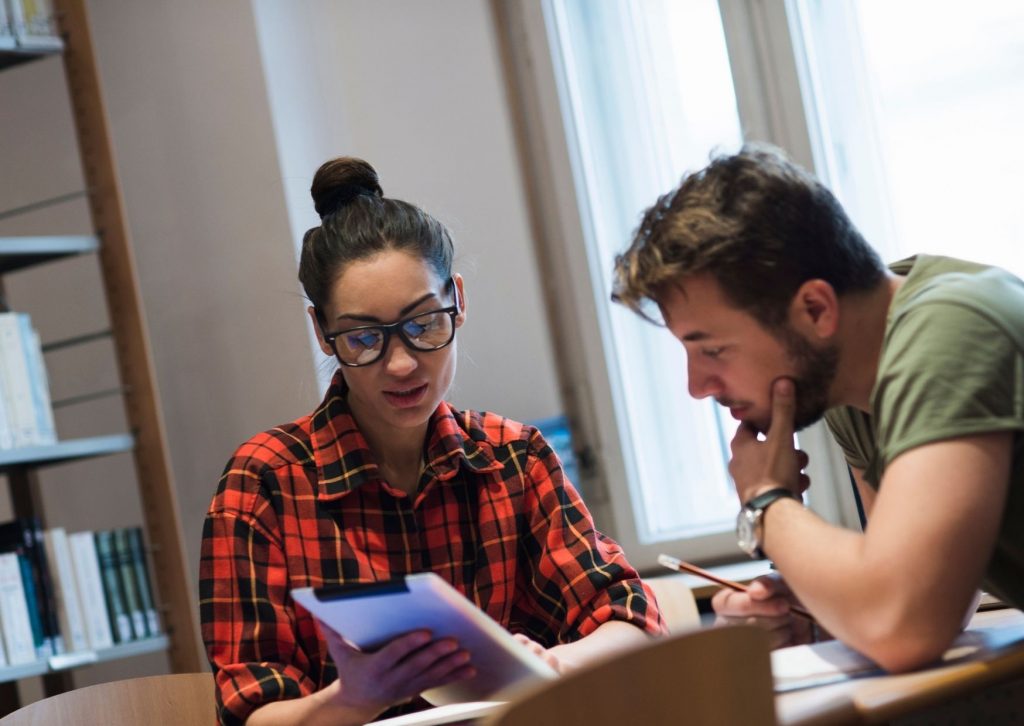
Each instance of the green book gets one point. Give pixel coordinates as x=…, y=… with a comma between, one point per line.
x=120, y=622
x=126, y=568
x=142, y=578
x=32, y=601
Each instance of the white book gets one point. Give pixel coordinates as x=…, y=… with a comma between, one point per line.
x=6, y=39
x=33, y=23
x=6, y=432
x=18, y=385
x=90, y=590
x=46, y=430
x=65, y=589
x=14, y=618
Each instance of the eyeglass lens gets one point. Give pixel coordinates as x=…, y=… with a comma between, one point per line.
x=429, y=331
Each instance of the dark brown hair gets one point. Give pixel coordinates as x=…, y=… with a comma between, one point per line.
x=759, y=225
x=357, y=222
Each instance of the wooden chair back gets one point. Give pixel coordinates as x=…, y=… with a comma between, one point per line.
x=712, y=677
x=183, y=699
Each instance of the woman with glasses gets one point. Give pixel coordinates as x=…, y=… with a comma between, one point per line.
x=384, y=479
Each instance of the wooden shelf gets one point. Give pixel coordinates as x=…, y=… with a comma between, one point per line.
x=58, y=663
x=65, y=451
x=19, y=252
x=12, y=53
x=170, y=576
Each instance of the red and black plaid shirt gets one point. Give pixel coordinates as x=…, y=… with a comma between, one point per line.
x=303, y=505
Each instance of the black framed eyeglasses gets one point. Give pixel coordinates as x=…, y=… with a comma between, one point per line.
x=364, y=345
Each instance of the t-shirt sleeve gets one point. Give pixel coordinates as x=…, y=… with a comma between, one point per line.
x=852, y=433
x=578, y=578
x=249, y=631
x=948, y=370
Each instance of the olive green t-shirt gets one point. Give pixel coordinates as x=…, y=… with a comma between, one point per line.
x=952, y=365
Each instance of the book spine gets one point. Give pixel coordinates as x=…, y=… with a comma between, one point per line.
x=87, y=577
x=6, y=34
x=44, y=583
x=46, y=430
x=6, y=429
x=120, y=622
x=132, y=600
x=142, y=577
x=42, y=645
x=18, y=386
x=65, y=590
x=19, y=535
x=14, y=616
x=17, y=18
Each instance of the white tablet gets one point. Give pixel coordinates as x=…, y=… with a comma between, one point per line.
x=371, y=614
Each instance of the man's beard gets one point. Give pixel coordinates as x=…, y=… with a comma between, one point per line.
x=815, y=369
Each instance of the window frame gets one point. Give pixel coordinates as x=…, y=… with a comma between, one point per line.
x=771, y=107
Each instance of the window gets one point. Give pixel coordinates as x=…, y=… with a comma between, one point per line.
x=647, y=92
x=635, y=74
x=918, y=108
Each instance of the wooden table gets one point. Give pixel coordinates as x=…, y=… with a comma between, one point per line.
x=877, y=699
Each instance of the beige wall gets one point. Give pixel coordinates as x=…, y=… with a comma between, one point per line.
x=414, y=87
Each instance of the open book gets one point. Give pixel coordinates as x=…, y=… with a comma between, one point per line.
x=369, y=615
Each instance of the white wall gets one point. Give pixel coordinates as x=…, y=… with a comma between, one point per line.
x=417, y=90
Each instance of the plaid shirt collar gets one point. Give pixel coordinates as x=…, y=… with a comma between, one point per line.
x=344, y=461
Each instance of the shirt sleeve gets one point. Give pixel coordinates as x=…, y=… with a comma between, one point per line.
x=948, y=371
x=577, y=578
x=249, y=631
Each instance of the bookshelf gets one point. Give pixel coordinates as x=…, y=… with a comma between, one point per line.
x=111, y=246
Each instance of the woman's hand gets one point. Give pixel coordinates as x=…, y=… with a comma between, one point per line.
x=766, y=603
x=546, y=654
x=370, y=683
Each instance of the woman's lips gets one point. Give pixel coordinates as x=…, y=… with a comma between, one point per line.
x=406, y=397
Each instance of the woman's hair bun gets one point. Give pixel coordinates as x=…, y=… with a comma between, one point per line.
x=338, y=181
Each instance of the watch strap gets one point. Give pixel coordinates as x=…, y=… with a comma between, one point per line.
x=757, y=507
x=762, y=500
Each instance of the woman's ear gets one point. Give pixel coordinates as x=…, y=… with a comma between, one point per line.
x=319, y=333
x=814, y=310
x=460, y=299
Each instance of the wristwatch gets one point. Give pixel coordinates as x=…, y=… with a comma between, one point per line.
x=749, y=522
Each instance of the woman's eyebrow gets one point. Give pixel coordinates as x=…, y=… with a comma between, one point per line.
x=374, y=319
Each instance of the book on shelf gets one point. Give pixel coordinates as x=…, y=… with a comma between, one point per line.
x=90, y=584
x=142, y=580
x=65, y=589
x=25, y=538
x=15, y=624
x=6, y=431
x=113, y=590
x=6, y=29
x=46, y=429
x=126, y=569
x=17, y=386
x=28, y=413
x=33, y=24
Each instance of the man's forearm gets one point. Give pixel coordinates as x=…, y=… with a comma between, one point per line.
x=857, y=593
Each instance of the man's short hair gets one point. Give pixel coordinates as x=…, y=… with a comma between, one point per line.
x=756, y=222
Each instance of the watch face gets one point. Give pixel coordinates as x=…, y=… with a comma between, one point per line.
x=746, y=534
